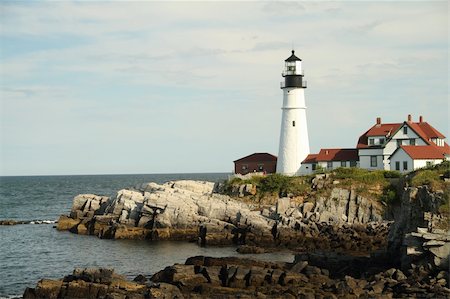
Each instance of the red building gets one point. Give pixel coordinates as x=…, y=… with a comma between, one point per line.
x=257, y=162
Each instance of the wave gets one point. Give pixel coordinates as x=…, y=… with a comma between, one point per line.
x=16, y=222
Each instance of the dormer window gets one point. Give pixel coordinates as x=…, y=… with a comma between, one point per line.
x=371, y=141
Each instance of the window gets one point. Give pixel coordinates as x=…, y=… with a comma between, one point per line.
x=373, y=161
x=352, y=163
x=371, y=141
x=405, y=165
x=397, y=165
x=343, y=164
x=244, y=167
x=399, y=142
x=405, y=130
x=293, y=123
x=260, y=167
x=429, y=163
x=412, y=141
x=329, y=165
x=314, y=166
x=381, y=140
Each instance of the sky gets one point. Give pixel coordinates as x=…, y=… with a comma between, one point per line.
x=181, y=87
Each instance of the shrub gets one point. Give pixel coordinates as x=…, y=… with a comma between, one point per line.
x=425, y=177
x=390, y=195
x=391, y=174
x=275, y=183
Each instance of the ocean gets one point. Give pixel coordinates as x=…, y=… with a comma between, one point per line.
x=30, y=252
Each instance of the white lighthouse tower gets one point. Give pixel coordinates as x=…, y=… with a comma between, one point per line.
x=294, y=141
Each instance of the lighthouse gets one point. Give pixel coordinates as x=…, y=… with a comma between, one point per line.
x=294, y=141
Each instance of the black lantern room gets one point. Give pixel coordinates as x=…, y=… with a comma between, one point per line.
x=293, y=73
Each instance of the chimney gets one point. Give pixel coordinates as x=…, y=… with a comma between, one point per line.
x=420, y=119
x=326, y=152
x=378, y=120
x=409, y=117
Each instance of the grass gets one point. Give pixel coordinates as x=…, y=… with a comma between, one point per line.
x=274, y=184
x=371, y=184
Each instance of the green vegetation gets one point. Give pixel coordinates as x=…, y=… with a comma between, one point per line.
x=274, y=185
x=379, y=185
x=433, y=177
x=390, y=196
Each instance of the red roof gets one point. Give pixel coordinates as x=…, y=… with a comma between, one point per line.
x=428, y=130
x=338, y=154
x=423, y=129
x=257, y=157
x=311, y=158
x=418, y=152
x=383, y=129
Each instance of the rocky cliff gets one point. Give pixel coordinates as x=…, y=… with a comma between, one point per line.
x=420, y=236
x=190, y=210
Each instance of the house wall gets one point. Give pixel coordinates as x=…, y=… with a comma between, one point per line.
x=364, y=158
x=267, y=166
x=423, y=163
x=383, y=161
x=306, y=168
x=401, y=157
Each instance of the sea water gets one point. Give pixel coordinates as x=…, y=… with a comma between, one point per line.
x=30, y=252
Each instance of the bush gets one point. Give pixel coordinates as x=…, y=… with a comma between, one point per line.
x=275, y=183
x=390, y=195
x=388, y=174
x=425, y=177
x=360, y=175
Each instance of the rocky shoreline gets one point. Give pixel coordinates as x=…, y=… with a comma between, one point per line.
x=206, y=277
x=344, y=247
x=193, y=211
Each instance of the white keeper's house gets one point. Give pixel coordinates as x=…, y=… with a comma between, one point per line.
x=390, y=146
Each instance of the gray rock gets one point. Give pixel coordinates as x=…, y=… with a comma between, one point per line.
x=283, y=204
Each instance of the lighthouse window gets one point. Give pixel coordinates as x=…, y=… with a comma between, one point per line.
x=293, y=123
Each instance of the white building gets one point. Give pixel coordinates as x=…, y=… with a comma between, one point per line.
x=376, y=145
x=294, y=141
x=407, y=158
x=330, y=158
x=402, y=146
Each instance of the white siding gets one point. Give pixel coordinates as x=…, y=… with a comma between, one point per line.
x=400, y=156
x=423, y=163
x=364, y=158
x=306, y=168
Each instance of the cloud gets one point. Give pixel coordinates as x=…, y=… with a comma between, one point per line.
x=139, y=79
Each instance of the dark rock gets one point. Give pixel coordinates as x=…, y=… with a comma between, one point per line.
x=140, y=279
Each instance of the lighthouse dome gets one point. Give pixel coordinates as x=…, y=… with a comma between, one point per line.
x=293, y=57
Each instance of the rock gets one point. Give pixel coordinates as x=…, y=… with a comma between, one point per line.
x=399, y=276
x=307, y=207
x=283, y=204
x=246, y=249
x=67, y=223
x=298, y=267
x=45, y=288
